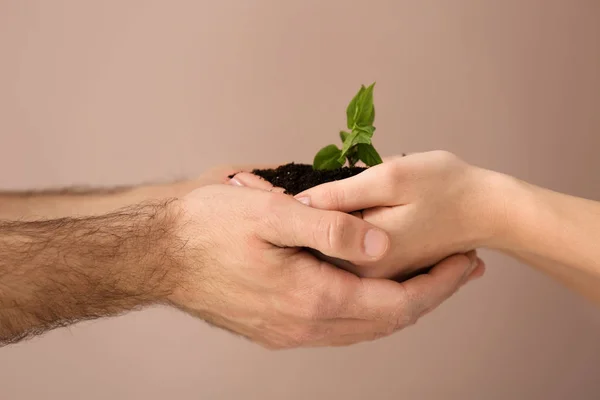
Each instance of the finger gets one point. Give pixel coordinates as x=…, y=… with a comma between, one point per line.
x=478, y=272
x=335, y=234
x=429, y=290
x=376, y=186
x=346, y=340
x=347, y=332
x=340, y=332
x=247, y=179
x=224, y=172
x=401, y=304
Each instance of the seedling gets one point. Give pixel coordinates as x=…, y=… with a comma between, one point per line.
x=356, y=144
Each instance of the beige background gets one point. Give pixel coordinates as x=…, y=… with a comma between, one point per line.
x=108, y=92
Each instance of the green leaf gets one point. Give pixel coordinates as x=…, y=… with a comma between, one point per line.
x=360, y=115
x=368, y=154
x=366, y=131
x=328, y=158
x=357, y=136
x=352, y=109
x=365, y=115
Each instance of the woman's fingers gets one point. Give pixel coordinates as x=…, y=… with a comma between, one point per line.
x=380, y=185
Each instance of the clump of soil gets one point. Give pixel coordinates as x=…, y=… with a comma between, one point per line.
x=296, y=178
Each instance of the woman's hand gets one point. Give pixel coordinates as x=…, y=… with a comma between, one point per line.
x=432, y=205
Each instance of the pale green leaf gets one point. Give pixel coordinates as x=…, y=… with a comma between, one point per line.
x=368, y=154
x=327, y=158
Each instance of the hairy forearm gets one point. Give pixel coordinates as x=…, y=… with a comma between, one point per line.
x=557, y=233
x=57, y=272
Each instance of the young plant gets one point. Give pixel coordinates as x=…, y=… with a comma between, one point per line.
x=356, y=144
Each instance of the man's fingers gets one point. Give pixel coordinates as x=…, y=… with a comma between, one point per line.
x=247, y=179
x=345, y=332
x=427, y=291
x=401, y=304
x=341, y=309
x=335, y=234
x=478, y=272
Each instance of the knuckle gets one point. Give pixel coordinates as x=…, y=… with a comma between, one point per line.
x=335, y=228
x=273, y=202
x=389, y=330
x=405, y=320
x=382, y=334
x=400, y=320
x=270, y=210
x=411, y=316
x=313, y=308
x=392, y=175
x=444, y=157
x=388, y=326
x=303, y=335
x=333, y=198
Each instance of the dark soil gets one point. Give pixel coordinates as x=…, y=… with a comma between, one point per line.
x=296, y=178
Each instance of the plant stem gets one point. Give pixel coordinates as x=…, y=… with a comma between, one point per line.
x=352, y=157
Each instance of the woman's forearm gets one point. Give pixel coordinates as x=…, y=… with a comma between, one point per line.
x=557, y=233
x=582, y=282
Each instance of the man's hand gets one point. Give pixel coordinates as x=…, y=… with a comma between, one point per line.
x=245, y=271
x=212, y=176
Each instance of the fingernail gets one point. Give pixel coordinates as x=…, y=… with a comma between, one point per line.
x=304, y=200
x=376, y=243
x=235, y=182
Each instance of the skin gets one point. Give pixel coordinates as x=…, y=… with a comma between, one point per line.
x=232, y=256
x=434, y=204
x=72, y=202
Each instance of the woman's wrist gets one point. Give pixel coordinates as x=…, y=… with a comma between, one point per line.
x=508, y=210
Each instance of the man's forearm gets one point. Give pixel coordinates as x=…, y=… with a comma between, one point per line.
x=83, y=202
x=72, y=202
x=57, y=272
